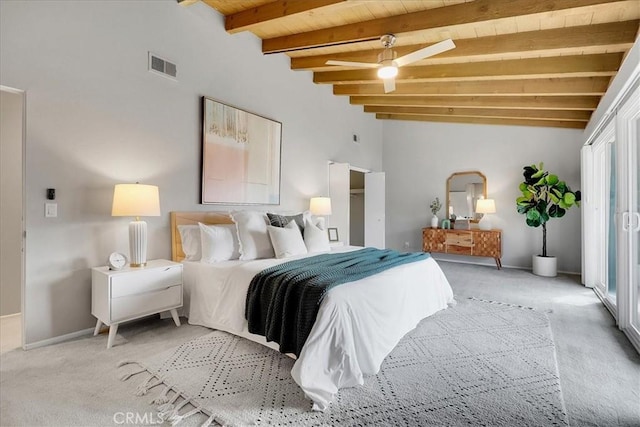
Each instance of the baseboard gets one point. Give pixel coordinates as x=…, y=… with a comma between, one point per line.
x=6, y=316
x=58, y=339
x=492, y=264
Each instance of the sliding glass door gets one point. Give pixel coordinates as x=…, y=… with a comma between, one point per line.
x=628, y=132
x=605, y=200
x=612, y=216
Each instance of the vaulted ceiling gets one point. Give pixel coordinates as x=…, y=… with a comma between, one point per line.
x=519, y=62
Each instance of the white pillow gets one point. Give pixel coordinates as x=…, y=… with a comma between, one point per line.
x=219, y=242
x=287, y=241
x=191, y=246
x=253, y=235
x=315, y=239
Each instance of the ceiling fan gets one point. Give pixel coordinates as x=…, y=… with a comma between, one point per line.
x=388, y=64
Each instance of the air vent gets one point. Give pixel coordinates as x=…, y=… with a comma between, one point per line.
x=162, y=66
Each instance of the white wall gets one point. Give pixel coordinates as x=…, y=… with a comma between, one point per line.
x=418, y=157
x=97, y=117
x=11, y=125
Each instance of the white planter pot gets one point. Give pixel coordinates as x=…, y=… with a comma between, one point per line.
x=434, y=222
x=545, y=266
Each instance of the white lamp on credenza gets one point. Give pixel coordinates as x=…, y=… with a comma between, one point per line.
x=485, y=207
x=136, y=200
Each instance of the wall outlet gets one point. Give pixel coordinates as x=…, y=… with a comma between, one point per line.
x=407, y=245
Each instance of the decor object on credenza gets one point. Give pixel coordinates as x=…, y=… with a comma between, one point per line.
x=435, y=207
x=544, y=197
x=136, y=200
x=446, y=224
x=240, y=156
x=485, y=207
x=333, y=234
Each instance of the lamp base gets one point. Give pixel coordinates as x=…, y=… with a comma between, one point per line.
x=137, y=243
x=485, y=223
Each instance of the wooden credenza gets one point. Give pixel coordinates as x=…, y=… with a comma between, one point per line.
x=474, y=242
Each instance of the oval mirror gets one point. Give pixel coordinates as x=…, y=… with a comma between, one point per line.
x=463, y=191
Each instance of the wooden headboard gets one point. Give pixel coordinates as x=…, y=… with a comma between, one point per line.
x=192, y=218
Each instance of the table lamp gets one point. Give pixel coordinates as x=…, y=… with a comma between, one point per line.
x=136, y=200
x=320, y=206
x=485, y=207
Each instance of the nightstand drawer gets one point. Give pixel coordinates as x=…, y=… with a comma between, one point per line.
x=139, y=282
x=138, y=305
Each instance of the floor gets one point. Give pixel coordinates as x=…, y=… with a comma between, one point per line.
x=76, y=383
x=10, y=332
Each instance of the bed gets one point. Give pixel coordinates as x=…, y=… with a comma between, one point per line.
x=357, y=326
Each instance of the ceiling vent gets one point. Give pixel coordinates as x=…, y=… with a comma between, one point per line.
x=162, y=66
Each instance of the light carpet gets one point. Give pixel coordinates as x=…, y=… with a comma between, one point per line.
x=477, y=363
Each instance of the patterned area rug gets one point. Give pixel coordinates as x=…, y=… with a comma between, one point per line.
x=478, y=363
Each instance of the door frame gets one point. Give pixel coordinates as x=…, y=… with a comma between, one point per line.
x=23, y=222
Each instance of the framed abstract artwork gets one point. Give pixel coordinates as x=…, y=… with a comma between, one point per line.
x=240, y=156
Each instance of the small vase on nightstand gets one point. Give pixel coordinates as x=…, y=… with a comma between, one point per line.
x=434, y=221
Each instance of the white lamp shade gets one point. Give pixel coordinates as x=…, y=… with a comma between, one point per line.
x=486, y=206
x=320, y=206
x=135, y=200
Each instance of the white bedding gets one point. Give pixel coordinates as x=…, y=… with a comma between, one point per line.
x=358, y=323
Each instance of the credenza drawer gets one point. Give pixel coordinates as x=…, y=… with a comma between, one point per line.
x=143, y=281
x=138, y=305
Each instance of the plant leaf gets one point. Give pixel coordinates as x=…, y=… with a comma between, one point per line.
x=569, y=198
x=552, y=179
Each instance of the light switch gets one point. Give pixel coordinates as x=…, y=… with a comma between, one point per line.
x=50, y=210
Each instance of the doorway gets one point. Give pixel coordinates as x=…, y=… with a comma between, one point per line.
x=366, y=195
x=356, y=211
x=12, y=132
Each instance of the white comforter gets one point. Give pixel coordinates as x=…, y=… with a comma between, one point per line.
x=358, y=323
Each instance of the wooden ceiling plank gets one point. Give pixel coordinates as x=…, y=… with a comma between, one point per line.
x=569, y=115
x=621, y=34
x=585, y=103
x=576, y=66
x=244, y=20
x=532, y=87
x=486, y=120
x=465, y=13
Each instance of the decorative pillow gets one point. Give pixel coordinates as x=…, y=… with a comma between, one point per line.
x=315, y=239
x=287, y=241
x=191, y=246
x=219, y=242
x=253, y=235
x=278, y=220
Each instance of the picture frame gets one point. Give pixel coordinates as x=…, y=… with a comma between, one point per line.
x=333, y=234
x=241, y=156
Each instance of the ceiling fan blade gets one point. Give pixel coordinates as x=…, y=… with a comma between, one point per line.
x=353, y=64
x=426, y=52
x=389, y=85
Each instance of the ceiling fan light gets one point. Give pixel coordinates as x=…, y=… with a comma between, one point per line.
x=387, y=72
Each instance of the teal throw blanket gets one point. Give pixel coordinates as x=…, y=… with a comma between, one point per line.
x=283, y=301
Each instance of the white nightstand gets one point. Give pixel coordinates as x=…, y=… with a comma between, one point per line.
x=133, y=292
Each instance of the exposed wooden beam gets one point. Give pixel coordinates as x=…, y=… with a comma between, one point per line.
x=465, y=13
x=568, y=115
x=485, y=120
x=187, y=2
x=588, y=103
x=605, y=64
x=531, y=87
x=612, y=37
x=242, y=21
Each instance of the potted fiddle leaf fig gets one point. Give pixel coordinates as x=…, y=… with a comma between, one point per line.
x=544, y=197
